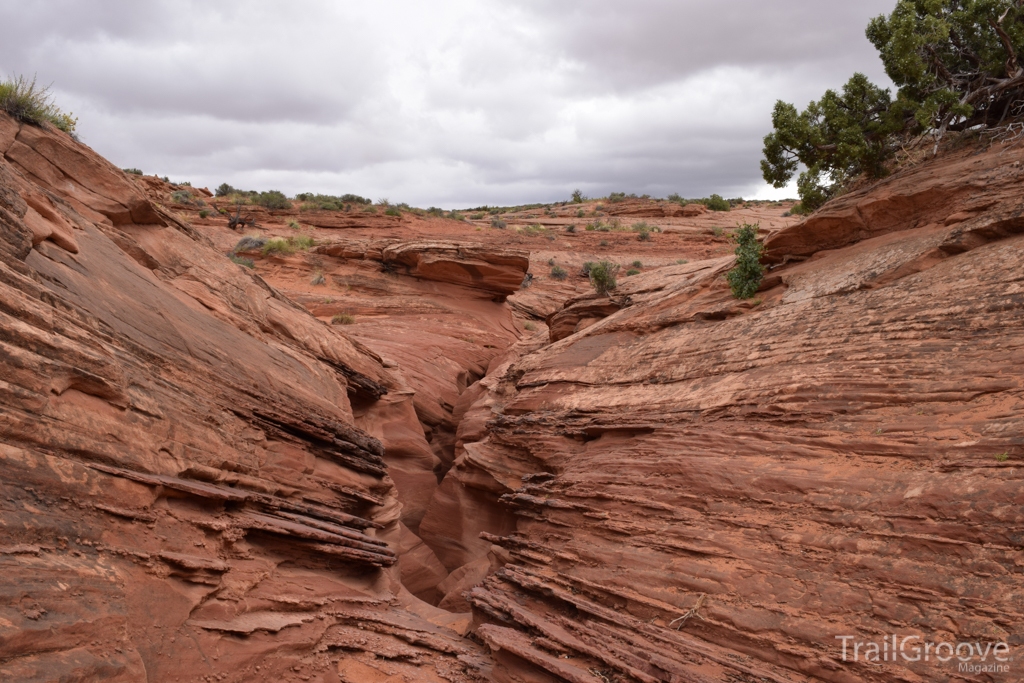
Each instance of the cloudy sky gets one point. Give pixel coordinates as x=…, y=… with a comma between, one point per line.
x=450, y=103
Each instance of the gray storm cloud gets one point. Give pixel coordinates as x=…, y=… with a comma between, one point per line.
x=449, y=103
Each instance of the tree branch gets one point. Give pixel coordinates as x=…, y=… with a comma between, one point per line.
x=1012, y=69
x=966, y=52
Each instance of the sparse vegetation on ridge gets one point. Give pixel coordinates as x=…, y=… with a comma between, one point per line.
x=29, y=103
x=272, y=199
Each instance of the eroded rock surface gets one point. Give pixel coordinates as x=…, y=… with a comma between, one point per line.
x=482, y=471
x=184, y=490
x=708, y=489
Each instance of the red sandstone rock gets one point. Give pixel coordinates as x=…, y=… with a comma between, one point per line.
x=202, y=479
x=186, y=492
x=714, y=489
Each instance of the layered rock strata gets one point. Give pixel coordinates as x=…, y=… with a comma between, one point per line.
x=184, y=490
x=699, y=488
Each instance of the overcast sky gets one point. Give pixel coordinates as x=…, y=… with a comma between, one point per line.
x=451, y=103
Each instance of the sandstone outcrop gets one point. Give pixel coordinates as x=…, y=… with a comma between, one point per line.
x=700, y=488
x=186, y=492
x=654, y=209
x=408, y=451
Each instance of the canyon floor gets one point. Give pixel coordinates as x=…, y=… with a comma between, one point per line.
x=375, y=448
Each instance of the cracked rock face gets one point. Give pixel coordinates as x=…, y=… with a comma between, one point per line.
x=202, y=478
x=184, y=491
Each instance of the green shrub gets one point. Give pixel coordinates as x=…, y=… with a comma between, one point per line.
x=354, y=199
x=498, y=223
x=632, y=271
x=325, y=202
x=29, y=103
x=580, y=213
x=745, y=277
x=602, y=276
x=718, y=231
x=616, y=197
x=570, y=228
x=242, y=261
x=272, y=199
x=205, y=213
x=638, y=264
x=558, y=273
x=603, y=243
x=681, y=262
x=392, y=211
x=370, y=209
x=476, y=217
x=293, y=224
x=302, y=242
x=181, y=197
x=224, y=190
x=716, y=203
x=577, y=196
x=529, y=326
x=132, y=171
x=343, y=319
x=278, y=246
x=456, y=216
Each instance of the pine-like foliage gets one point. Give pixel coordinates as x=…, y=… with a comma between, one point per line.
x=746, y=275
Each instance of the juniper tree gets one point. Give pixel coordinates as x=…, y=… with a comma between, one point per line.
x=956, y=64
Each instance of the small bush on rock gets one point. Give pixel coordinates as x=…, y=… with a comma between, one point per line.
x=745, y=277
x=278, y=246
x=272, y=199
x=716, y=203
x=602, y=276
